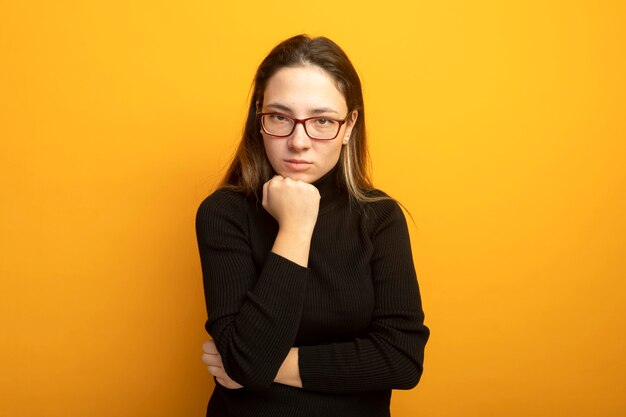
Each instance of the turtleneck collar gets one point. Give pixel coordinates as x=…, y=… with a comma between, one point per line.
x=329, y=189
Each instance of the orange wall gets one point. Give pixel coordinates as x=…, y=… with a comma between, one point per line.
x=499, y=125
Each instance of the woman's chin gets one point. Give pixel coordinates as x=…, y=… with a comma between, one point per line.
x=300, y=177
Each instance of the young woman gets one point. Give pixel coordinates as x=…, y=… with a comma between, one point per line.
x=311, y=293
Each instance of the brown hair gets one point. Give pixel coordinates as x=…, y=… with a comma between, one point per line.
x=250, y=168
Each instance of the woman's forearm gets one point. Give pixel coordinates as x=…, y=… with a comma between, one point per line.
x=289, y=372
x=294, y=243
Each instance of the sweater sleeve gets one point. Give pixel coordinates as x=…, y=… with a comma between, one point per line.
x=253, y=316
x=391, y=354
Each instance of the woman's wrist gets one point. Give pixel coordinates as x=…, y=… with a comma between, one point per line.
x=297, y=228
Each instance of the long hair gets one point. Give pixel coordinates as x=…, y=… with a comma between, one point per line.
x=250, y=168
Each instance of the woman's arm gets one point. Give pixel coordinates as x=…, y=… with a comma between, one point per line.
x=254, y=316
x=294, y=205
x=289, y=371
x=390, y=355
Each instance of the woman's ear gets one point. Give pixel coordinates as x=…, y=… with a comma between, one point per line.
x=353, y=117
x=350, y=125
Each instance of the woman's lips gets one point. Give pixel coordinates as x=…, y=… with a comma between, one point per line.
x=297, y=164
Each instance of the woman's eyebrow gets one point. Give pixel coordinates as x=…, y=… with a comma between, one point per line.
x=323, y=110
x=279, y=106
x=285, y=108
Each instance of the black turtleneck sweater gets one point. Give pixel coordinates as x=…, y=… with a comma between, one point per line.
x=354, y=313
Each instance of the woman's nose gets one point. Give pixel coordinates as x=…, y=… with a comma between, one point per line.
x=299, y=139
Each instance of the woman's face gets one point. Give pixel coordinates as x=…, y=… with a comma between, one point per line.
x=302, y=92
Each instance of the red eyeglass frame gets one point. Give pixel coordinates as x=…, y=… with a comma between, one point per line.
x=301, y=121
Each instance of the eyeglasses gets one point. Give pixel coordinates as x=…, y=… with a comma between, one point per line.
x=320, y=127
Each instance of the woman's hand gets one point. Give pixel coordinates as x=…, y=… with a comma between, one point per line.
x=213, y=361
x=294, y=204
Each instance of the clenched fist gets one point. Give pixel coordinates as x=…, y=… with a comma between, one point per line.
x=293, y=203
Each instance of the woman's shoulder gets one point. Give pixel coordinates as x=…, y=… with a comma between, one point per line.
x=222, y=202
x=224, y=195
x=379, y=200
x=381, y=206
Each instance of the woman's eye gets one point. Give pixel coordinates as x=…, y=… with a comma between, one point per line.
x=325, y=122
x=279, y=118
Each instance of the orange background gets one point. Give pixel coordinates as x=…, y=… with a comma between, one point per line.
x=499, y=125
